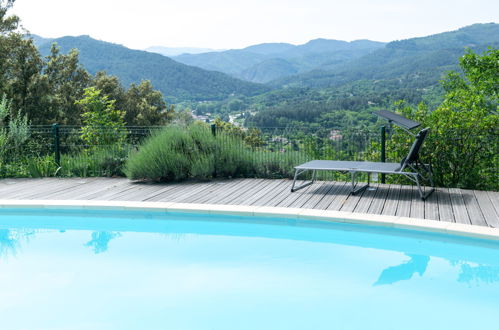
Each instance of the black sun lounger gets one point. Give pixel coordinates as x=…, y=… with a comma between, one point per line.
x=410, y=167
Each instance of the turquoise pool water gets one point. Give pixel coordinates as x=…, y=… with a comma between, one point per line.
x=137, y=270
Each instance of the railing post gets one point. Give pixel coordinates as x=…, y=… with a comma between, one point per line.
x=383, y=149
x=214, y=129
x=57, y=143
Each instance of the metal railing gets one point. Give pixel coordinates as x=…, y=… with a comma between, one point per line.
x=61, y=150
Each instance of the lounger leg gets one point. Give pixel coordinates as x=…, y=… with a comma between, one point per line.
x=298, y=172
x=420, y=189
x=358, y=190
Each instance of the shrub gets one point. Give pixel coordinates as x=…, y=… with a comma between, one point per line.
x=102, y=161
x=179, y=152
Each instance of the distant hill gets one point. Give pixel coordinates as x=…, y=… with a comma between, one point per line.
x=266, y=62
x=175, y=80
x=423, y=59
x=175, y=51
x=39, y=40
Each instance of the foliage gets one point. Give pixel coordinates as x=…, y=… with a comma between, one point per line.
x=251, y=136
x=463, y=140
x=146, y=107
x=104, y=125
x=466, y=125
x=100, y=161
x=40, y=167
x=14, y=131
x=66, y=79
x=178, y=153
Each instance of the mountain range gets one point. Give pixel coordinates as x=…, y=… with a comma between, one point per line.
x=266, y=62
x=175, y=51
x=177, y=81
x=319, y=63
x=422, y=59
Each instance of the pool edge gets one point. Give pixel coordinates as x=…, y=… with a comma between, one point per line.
x=434, y=226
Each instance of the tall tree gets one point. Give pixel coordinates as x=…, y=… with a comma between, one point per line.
x=146, y=106
x=67, y=79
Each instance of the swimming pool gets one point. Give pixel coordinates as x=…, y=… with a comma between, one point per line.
x=117, y=269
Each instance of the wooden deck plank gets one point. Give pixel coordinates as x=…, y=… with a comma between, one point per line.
x=337, y=191
x=465, y=206
x=366, y=199
x=221, y=191
x=405, y=201
x=270, y=196
x=445, y=212
x=290, y=197
x=274, y=198
x=392, y=199
x=494, y=198
x=80, y=191
x=14, y=191
x=138, y=193
x=431, y=207
x=112, y=192
x=46, y=190
x=278, y=184
x=342, y=198
x=379, y=199
x=318, y=195
x=104, y=187
x=165, y=188
x=458, y=206
x=195, y=191
x=489, y=212
x=417, y=204
x=298, y=203
x=169, y=194
x=241, y=195
x=10, y=186
x=473, y=208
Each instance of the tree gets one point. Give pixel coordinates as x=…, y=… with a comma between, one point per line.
x=464, y=136
x=8, y=24
x=465, y=126
x=146, y=106
x=67, y=80
x=110, y=86
x=103, y=124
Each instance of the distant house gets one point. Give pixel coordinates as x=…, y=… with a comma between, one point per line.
x=335, y=135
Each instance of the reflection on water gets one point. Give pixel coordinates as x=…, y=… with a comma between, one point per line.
x=8, y=243
x=10, y=240
x=478, y=273
x=404, y=271
x=100, y=240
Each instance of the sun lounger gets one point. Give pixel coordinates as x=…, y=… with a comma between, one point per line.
x=409, y=167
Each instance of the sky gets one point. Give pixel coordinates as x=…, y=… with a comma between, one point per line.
x=224, y=24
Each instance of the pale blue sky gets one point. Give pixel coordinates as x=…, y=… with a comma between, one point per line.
x=236, y=24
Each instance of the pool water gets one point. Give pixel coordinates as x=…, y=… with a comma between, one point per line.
x=82, y=269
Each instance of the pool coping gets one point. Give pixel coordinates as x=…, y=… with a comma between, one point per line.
x=433, y=226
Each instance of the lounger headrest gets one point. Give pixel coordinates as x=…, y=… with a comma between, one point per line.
x=413, y=154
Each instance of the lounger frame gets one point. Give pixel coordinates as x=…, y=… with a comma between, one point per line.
x=420, y=172
x=410, y=167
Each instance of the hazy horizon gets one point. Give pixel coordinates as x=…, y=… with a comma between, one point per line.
x=223, y=24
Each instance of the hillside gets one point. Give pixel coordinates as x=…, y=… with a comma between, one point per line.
x=175, y=51
x=265, y=62
x=175, y=80
x=424, y=59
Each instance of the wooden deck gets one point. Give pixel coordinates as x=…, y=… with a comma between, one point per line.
x=455, y=205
